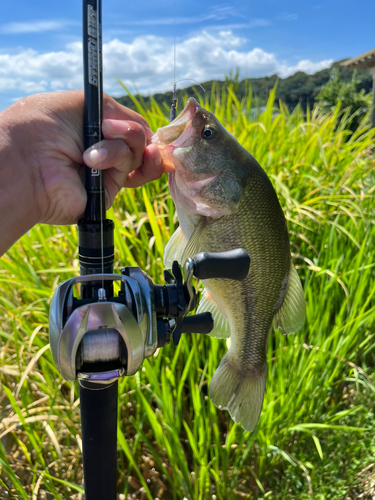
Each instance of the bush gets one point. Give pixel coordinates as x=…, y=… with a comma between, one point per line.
x=345, y=95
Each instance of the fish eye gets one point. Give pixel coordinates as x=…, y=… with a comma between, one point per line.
x=208, y=132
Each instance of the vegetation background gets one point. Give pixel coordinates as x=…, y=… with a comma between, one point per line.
x=315, y=438
x=297, y=89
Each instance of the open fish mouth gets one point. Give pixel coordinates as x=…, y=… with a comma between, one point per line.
x=178, y=134
x=170, y=133
x=174, y=142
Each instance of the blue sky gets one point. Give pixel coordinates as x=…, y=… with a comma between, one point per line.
x=40, y=41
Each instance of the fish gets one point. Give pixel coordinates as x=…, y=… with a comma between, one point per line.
x=225, y=200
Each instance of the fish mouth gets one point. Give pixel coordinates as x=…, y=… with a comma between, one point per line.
x=174, y=142
x=171, y=132
x=178, y=134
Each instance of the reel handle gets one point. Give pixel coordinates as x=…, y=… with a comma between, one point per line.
x=233, y=265
x=198, y=323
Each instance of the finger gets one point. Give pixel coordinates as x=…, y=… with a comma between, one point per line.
x=110, y=154
x=114, y=110
x=131, y=132
x=152, y=168
x=116, y=158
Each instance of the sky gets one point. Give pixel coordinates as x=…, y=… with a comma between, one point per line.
x=41, y=49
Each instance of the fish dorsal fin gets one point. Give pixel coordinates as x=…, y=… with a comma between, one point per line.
x=192, y=247
x=221, y=324
x=290, y=317
x=175, y=247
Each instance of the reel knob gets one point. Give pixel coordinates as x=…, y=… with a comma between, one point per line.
x=198, y=323
x=176, y=299
x=232, y=265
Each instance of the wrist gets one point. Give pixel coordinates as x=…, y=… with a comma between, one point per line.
x=18, y=183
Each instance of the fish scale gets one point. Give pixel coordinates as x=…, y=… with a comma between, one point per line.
x=259, y=293
x=225, y=200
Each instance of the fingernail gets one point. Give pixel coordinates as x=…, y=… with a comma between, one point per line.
x=111, y=127
x=149, y=133
x=95, y=157
x=157, y=161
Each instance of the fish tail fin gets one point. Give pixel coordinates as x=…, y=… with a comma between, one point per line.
x=238, y=391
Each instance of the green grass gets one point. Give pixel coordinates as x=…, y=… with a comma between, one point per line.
x=315, y=435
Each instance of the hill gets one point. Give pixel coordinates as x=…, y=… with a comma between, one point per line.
x=297, y=88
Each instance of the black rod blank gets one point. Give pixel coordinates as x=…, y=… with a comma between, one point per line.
x=99, y=440
x=98, y=403
x=93, y=109
x=95, y=233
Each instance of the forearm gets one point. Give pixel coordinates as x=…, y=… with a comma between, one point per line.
x=18, y=206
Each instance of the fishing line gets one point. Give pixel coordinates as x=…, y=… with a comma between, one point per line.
x=100, y=96
x=191, y=80
x=173, y=111
x=174, y=45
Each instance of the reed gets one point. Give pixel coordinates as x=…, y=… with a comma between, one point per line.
x=317, y=417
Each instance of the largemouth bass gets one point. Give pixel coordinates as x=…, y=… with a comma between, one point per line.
x=225, y=200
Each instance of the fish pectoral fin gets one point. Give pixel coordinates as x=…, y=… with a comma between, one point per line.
x=221, y=324
x=291, y=315
x=175, y=248
x=192, y=247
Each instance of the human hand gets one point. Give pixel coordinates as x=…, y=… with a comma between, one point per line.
x=47, y=129
x=41, y=159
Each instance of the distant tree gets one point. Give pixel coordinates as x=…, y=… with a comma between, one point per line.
x=346, y=95
x=298, y=88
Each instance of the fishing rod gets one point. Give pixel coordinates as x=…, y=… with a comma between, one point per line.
x=96, y=336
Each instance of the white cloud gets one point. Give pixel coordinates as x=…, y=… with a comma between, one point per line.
x=215, y=16
x=306, y=66
x=213, y=13
x=146, y=62
x=288, y=17
x=34, y=26
x=32, y=66
x=7, y=83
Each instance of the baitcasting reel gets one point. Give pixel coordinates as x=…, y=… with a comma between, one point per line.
x=100, y=339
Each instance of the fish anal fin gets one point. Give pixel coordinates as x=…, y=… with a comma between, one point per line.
x=290, y=317
x=221, y=324
x=175, y=248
